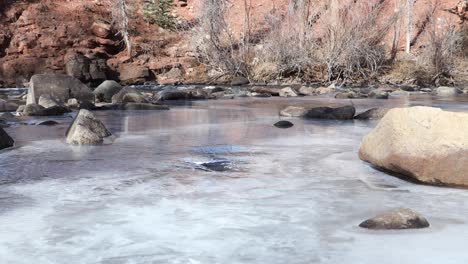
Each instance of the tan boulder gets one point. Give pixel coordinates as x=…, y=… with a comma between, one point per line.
x=424, y=143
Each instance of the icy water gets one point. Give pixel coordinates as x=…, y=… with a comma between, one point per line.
x=215, y=182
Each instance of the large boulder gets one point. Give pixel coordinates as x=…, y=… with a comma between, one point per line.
x=58, y=86
x=133, y=74
x=424, y=143
x=339, y=113
x=106, y=90
x=128, y=95
x=5, y=140
x=447, y=91
x=401, y=218
x=86, y=129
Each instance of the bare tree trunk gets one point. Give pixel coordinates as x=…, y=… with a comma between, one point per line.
x=121, y=18
x=396, y=30
x=409, y=16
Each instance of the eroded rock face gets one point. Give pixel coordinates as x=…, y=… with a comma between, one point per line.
x=424, y=143
x=58, y=86
x=5, y=140
x=401, y=218
x=86, y=129
x=339, y=113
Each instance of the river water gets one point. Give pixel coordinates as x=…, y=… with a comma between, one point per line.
x=215, y=182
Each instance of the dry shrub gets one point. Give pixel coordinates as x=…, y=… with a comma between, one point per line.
x=332, y=42
x=215, y=43
x=442, y=42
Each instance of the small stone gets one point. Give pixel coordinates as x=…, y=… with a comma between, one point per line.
x=283, y=124
x=401, y=218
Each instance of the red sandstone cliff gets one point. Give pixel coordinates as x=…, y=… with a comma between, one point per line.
x=75, y=37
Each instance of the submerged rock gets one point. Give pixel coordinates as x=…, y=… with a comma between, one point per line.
x=293, y=111
x=283, y=124
x=447, y=91
x=424, y=143
x=143, y=106
x=48, y=123
x=374, y=113
x=396, y=219
x=5, y=140
x=339, y=113
x=51, y=111
x=86, y=129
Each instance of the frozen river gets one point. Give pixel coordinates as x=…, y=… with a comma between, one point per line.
x=214, y=182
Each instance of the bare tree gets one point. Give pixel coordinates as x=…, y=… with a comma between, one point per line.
x=396, y=30
x=120, y=16
x=409, y=21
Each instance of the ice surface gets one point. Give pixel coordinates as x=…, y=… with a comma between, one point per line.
x=294, y=196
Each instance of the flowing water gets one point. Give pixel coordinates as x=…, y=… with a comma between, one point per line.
x=215, y=182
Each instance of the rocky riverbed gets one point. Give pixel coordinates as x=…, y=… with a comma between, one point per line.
x=213, y=181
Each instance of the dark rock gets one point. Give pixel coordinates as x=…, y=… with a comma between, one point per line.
x=283, y=124
x=31, y=108
x=106, y=90
x=51, y=111
x=237, y=81
x=143, y=106
x=339, y=113
x=86, y=129
x=396, y=219
x=374, y=113
x=5, y=140
x=48, y=123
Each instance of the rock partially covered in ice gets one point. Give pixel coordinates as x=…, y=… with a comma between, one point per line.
x=426, y=144
x=283, y=124
x=339, y=113
x=293, y=111
x=373, y=113
x=5, y=140
x=401, y=218
x=86, y=129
